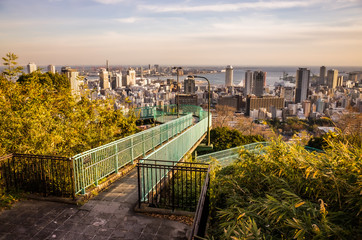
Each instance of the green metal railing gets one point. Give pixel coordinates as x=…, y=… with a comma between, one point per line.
x=95, y=164
x=158, y=112
x=226, y=157
x=173, y=152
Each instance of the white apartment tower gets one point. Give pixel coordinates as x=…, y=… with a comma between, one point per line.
x=119, y=80
x=332, y=77
x=229, y=76
x=32, y=67
x=51, y=68
x=248, y=82
x=130, y=78
x=104, y=79
x=72, y=75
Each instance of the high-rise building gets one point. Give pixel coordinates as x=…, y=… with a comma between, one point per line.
x=130, y=78
x=229, y=76
x=104, y=79
x=332, y=76
x=257, y=87
x=340, y=81
x=51, y=68
x=189, y=86
x=302, y=85
x=287, y=93
x=307, y=106
x=119, y=80
x=322, y=75
x=235, y=102
x=72, y=75
x=253, y=103
x=248, y=82
x=32, y=67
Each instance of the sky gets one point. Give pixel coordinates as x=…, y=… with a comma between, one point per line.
x=184, y=32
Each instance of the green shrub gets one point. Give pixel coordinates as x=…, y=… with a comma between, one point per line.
x=224, y=138
x=289, y=193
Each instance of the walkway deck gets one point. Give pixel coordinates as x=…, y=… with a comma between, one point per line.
x=109, y=215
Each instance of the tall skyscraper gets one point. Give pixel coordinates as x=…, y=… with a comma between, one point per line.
x=229, y=76
x=302, y=85
x=51, y=68
x=258, y=83
x=248, y=82
x=332, y=77
x=104, y=79
x=32, y=67
x=340, y=81
x=189, y=86
x=322, y=75
x=119, y=80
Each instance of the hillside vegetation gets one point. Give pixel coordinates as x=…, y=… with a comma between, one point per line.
x=289, y=193
x=39, y=115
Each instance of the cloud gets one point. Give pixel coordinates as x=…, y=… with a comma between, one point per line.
x=128, y=20
x=228, y=7
x=109, y=1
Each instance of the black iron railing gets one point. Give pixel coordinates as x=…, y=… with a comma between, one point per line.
x=202, y=211
x=170, y=185
x=48, y=175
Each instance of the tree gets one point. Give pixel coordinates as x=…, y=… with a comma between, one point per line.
x=224, y=138
x=224, y=114
x=12, y=70
x=39, y=115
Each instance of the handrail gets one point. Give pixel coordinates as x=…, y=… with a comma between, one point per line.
x=202, y=210
x=225, y=157
x=95, y=164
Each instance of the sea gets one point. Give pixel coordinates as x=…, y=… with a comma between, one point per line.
x=273, y=74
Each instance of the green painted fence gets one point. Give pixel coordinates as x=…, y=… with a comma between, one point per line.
x=158, y=112
x=173, y=151
x=95, y=164
x=226, y=157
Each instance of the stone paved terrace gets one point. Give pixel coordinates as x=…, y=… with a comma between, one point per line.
x=109, y=215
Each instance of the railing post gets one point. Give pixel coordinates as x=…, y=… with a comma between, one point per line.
x=132, y=155
x=72, y=173
x=167, y=132
x=139, y=185
x=153, y=140
x=143, y=144
x=116, y=161
x=82, y=171
x=161, y=135
x=173, y=189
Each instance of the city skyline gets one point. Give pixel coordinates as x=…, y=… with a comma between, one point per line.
x=80, y=32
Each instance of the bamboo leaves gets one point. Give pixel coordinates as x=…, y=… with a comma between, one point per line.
x=289, y=193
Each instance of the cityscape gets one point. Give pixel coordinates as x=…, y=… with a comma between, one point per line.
x=329, y=94
x=180, y=120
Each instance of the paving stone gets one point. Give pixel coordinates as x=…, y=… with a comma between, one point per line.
x=57, y=234
x=109, y=216
x=78, y=236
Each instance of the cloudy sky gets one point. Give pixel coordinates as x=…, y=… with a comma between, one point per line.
x=184, y=32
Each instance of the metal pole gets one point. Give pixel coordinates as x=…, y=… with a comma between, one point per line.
x=208, y=109
x=177, y=97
